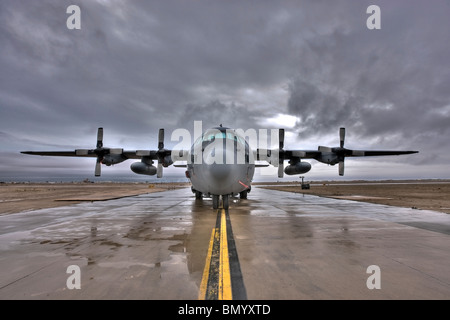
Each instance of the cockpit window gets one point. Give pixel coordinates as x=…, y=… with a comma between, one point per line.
x=210, y=136
x=227, y=140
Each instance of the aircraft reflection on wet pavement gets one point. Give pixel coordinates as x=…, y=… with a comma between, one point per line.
x=156, y=246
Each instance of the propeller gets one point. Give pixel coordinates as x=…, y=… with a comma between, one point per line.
x=280, y=153
x=99, y=151
x=340, y=152
x=162, y=155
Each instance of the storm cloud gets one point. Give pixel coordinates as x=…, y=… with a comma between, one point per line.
x=137, y=66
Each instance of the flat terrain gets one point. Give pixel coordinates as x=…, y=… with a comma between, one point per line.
x=417, y=194
x=17, y=197
x=281, y=246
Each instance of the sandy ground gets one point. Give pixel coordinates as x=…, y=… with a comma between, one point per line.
x=429, y=194
x=417, y=194
x=17, y=197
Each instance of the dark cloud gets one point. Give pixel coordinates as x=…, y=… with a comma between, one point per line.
x=138, y=66
x=215, y=113
x=388, y=83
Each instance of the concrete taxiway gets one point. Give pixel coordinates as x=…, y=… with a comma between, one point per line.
x=280, y=245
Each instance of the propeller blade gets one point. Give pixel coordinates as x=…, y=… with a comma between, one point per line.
x=100, y=138
x=159, y=170
x=280, y=153
x=161, y=139
x=98, y=167
x=342, y=136
x=281, y=138
x=341, y=168
x=280, y=170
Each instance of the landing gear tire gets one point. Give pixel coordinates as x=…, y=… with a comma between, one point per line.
x=198, y=195
x=225, y=200
x=215, y=200
x=243, y=194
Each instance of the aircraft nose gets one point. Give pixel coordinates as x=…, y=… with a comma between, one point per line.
x=220, y=171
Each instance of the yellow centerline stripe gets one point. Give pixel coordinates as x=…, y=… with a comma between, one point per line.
x=224, y=273
x=204, y=283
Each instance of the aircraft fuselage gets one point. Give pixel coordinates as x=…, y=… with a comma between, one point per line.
x=221, y=163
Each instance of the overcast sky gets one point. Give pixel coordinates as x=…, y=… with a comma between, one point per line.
x=308, y=66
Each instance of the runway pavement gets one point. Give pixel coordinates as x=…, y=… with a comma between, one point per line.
x=274, y=245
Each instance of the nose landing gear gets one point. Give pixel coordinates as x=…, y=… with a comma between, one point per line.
x=215, y=199
x=225, y=201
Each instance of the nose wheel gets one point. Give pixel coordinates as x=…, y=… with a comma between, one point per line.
x=225, y=201
x=215, y=200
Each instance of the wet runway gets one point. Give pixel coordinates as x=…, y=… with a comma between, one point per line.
x=281, y=246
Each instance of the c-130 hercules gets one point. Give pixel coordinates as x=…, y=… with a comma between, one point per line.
x=220, y=163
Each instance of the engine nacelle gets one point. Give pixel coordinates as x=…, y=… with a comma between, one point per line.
x=143, y=168
x=167, y=161
x=298, y=168
x=111, y=159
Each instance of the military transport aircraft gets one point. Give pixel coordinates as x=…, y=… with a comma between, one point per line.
x=220, y=163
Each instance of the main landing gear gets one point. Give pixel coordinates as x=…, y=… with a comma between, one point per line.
x=243, y=194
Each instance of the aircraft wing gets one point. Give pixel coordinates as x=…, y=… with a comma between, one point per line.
x=110, y=156
x=316, y=154
x=373, y=153
x=326, y=155
x=57, y=153
x=86, y=153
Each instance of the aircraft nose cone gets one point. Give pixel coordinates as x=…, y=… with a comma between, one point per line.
x=220, y=171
